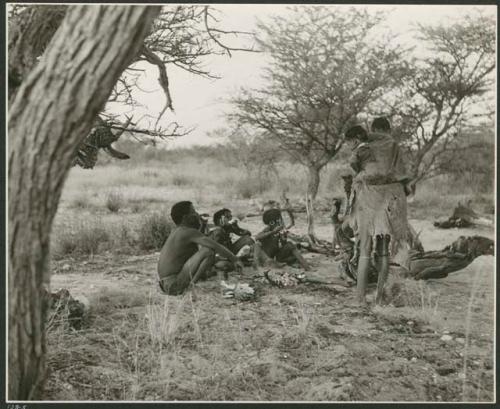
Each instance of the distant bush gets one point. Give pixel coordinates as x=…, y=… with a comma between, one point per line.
x=153, y=231
x=80, y=202
x=249, y=188
x=114, y=201
x=136, y=207
x=84, y=239
x=180, y=179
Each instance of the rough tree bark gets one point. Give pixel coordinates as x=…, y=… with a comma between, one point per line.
x=52, y=112
x=29, y=35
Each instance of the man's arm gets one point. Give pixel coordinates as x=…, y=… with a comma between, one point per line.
x=268, y=232
x=239, y=231
x=198, y=238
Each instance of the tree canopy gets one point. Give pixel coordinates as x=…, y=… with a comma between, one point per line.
x=326, y=67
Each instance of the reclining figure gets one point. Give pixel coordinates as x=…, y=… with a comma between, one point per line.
x=424, y=265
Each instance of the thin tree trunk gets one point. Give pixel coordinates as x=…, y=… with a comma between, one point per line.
x=313, y=178
x=313, y=181
x=52, y=112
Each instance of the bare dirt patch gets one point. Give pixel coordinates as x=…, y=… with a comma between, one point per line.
x=308, y=342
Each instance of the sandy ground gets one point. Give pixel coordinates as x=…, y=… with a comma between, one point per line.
x=306, y=343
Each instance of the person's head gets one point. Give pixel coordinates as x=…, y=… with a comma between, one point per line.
x=381, y=124
x=272, y=217
x=355, y=135
x=222, y=217
x=185, y=214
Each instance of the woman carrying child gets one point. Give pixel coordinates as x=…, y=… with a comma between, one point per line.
x=378, y=213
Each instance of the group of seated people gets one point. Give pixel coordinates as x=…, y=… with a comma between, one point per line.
x=193, y=251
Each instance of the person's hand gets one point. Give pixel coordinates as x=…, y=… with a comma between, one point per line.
x=238, y=266
x=278, y=228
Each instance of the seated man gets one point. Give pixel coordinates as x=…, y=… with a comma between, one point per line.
x=188, y=255
x=225, y=225
x=274, y=243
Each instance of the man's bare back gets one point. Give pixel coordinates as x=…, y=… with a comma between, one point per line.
x=188, y=254
x=178, y=249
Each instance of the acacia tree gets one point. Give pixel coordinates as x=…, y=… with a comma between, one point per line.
x=257, y=154
x=446, y=92
x=181, y=36
x=49, y=115
x=326, y=67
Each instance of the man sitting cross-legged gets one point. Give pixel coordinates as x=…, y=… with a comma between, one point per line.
x=274, y=243
x=225, y=225
x=188, y=255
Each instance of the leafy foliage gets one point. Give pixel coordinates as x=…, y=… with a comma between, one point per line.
x=326, y=67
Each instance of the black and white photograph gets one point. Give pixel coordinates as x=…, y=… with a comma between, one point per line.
x=247, y=203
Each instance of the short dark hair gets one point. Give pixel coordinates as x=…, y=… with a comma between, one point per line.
x=179, y=210
x=271, y=215
x=381, y=123
x=218, y=215
x=356, y=132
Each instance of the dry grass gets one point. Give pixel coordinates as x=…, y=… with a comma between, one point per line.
x=143, y=346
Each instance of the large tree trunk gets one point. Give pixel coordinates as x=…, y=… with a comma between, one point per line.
x=50, y=115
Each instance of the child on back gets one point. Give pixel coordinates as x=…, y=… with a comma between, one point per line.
x=274, y=243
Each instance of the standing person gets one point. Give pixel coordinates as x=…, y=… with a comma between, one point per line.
x=188, y=255
x=378, y=208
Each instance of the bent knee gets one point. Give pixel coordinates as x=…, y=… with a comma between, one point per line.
x=205, y=252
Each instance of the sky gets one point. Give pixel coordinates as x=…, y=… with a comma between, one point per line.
x=199, y=103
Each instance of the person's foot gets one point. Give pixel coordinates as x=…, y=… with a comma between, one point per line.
x=361, y=302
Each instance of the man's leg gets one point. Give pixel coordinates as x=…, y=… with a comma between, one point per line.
x=382, y=260
x=197, y=267
x=290, y=253
x=364, y=264
x=241, y=242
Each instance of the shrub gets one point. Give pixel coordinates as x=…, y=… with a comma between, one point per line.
x=180, y=180
x=80, y=202
x=248, y=188
x=136, y=207
x=153, y=231
x=84, y=239
x=114, y=201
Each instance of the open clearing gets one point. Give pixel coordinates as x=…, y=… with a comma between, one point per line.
x=303, y=343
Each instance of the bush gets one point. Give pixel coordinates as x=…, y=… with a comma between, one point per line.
x=180, y=180
x=114, y=201
x=80, y=202
x=249, y=188
x=153, y=231
x=83, y=240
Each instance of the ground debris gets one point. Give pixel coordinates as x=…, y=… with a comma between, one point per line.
x=238, y=291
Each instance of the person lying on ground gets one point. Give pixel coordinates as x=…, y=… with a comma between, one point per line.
x=273, y=240
x=188, y=255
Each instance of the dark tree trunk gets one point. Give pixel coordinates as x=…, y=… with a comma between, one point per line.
x=52, y=112
x=29, y=34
